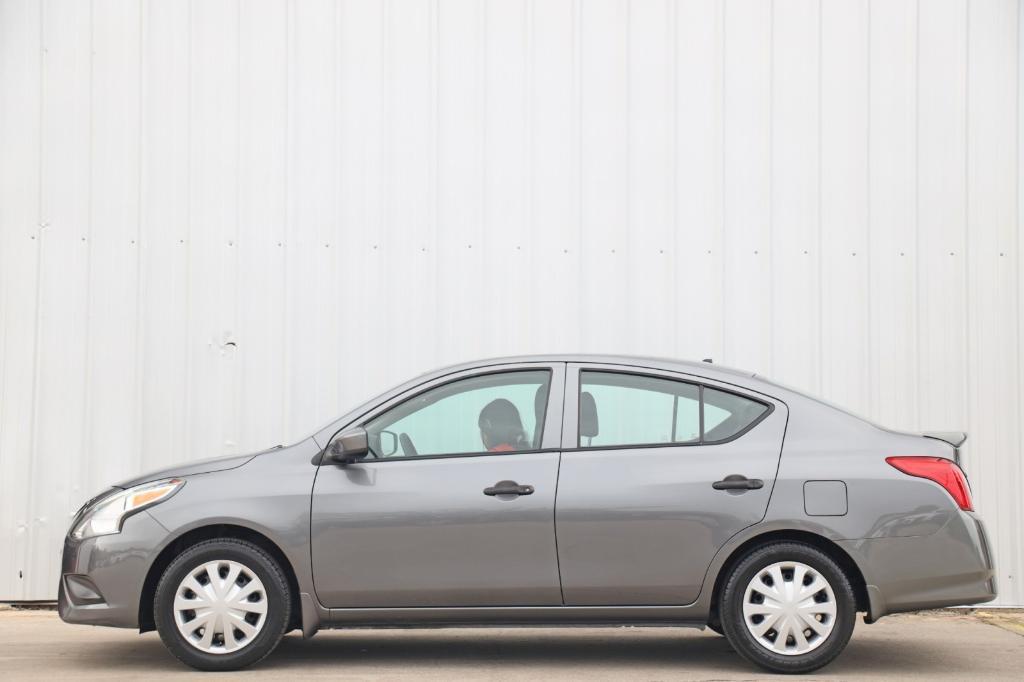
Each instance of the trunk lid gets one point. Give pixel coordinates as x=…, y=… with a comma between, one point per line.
x=954, y=438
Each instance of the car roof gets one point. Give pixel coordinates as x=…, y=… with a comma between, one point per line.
x=708, y=369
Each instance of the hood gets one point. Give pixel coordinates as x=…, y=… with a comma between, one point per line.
x=205, y=466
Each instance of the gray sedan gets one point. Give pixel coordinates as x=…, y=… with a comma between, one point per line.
x=556, y=490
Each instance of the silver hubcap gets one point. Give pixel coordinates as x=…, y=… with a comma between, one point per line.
x=220, y=607
x=789, y=608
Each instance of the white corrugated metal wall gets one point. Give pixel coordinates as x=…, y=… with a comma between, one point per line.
x=223, y=222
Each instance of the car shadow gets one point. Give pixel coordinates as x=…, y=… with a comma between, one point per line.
x=604, y=651
x=510, y=648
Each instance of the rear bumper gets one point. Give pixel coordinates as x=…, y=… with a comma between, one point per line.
x=951, y=567
x=102, y=578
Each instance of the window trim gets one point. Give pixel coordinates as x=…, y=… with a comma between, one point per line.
x=555, y=372
x=577, y=377
x=454, y=455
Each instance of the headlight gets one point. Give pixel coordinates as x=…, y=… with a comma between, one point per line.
x=105, y=516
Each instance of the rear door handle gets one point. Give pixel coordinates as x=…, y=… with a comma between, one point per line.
x=508, y=488
x=737, y=482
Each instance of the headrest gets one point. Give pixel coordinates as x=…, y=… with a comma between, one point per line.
x=408, y=449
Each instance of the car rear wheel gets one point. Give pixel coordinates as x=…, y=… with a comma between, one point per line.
x=222, y=605
x=788, y=607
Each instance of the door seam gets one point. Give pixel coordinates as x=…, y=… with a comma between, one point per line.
x=554, y=523
x=558, y=475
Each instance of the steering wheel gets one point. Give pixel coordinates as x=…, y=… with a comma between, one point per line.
x=408, y=449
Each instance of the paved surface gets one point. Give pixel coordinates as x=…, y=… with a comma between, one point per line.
x=936, y=646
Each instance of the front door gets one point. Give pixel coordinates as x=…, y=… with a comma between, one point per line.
x=639, y=515
x=455, y=505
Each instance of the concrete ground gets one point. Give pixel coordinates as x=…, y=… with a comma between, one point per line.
x=935, y=646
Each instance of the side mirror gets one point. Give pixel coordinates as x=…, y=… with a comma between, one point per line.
x=387, y=444
x=349, y=446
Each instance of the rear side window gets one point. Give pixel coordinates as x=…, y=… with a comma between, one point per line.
x=619, y=409
x=727, y=414
x=629, y=409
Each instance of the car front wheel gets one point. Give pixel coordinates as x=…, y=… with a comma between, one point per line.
x=222, y=604
x=788, y=607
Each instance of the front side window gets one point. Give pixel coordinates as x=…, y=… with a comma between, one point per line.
x=629, y=409
x=488, y=413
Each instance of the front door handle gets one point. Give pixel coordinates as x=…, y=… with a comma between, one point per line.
x=737, y=482
x=508, y=488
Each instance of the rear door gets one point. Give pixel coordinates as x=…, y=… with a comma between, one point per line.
x=658, y=471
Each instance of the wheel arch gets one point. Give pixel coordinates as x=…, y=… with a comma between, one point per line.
x=213, y=532
x=820, y=542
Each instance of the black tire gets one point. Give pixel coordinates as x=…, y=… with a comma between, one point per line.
x=277, y=595
x=743, y=641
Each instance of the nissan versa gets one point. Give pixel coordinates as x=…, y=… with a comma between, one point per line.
x=559, y=490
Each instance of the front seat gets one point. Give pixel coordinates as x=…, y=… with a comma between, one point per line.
x=589, y=426
x=540, y=405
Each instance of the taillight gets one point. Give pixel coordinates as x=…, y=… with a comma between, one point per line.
x=943, y=471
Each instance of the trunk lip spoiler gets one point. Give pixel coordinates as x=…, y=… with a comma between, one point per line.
x=954, y=438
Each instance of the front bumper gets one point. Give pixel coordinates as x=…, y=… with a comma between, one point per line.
x=102, y=577
x=951, y=567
